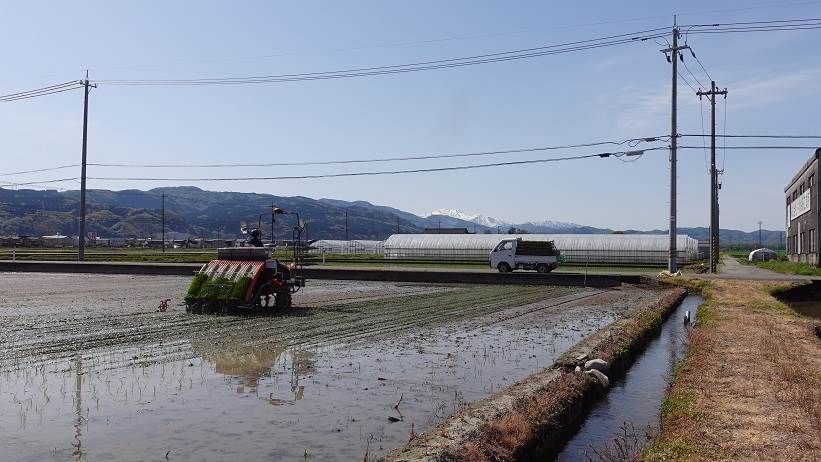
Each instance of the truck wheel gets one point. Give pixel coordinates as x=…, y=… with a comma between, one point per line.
x=542, y=268
x=503, y=267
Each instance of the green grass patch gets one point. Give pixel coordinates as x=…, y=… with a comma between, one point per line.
x=679, y=405
x=665, y=451
x=789, y=267
x=649, y=319
x=774, y=289
x=699, y=285
x=706, y=315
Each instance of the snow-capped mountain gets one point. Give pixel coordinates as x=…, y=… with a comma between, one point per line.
x=473, y=218
x=490, y=222
x=550, y=224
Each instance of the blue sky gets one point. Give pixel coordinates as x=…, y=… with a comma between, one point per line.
x=610, y=93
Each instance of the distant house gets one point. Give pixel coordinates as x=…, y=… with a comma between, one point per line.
x=56, y=240
x=445, y=231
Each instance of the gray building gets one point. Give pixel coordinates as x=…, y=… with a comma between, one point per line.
x=802, y=213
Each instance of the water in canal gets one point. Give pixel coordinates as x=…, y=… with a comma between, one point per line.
x=633, y=402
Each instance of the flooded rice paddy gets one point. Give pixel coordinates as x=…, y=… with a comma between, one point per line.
x=90, y=370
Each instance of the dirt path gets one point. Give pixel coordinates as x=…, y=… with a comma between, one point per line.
x=750, y=386
x=732, y=269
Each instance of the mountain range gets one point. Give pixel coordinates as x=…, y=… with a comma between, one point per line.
x=193, y=212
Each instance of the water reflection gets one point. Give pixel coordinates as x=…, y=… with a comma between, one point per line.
x=250, y=365
x=78, y=408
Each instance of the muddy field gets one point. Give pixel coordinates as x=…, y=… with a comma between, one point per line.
x=89, y=370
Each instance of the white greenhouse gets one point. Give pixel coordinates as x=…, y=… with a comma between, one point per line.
x=354, y=247
x=615, y=249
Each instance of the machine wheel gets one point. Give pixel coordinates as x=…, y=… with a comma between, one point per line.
x=283, y=300
x=542, y=268
x=503, y=267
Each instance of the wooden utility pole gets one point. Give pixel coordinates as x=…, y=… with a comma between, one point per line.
x=673, y=57
x=714, y=226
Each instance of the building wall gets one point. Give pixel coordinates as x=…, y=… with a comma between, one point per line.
x=802, y=231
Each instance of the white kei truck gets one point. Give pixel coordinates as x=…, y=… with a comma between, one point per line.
x=512, y=254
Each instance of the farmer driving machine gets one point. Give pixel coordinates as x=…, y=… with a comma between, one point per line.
x=247, y=278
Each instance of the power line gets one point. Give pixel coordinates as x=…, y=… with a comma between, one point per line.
x=618, y=154
x=751, y=23
x=755, y=147
x=40, y=182
x=387, y=45
x=51, y=89
x=684, y=79
x=702, y=65
x=49, y=169
x=759, y=136
x=733, y=30
x=631, y=142
x=410, y=67
x=394, y=172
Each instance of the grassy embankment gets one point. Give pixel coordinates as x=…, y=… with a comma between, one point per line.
x=782, y=265
x=750, y=385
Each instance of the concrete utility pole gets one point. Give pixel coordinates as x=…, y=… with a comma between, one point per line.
x=81, y=255
x=347, y=238
x=672, y=57
x=163, y=222
x=714, y=226
x=759, y=233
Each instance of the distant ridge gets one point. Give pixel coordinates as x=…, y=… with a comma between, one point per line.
x=194, y=212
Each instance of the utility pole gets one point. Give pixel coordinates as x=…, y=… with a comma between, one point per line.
x=82, y=234
x=347, y=238
x=759, y=233
x=163, y=222
x=672, y=57
x=273, y=241
x=714, y=226
x=82, y=242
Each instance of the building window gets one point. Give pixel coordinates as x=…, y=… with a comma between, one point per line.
x=801, y=189
x=812, y=240
x=811, y=181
